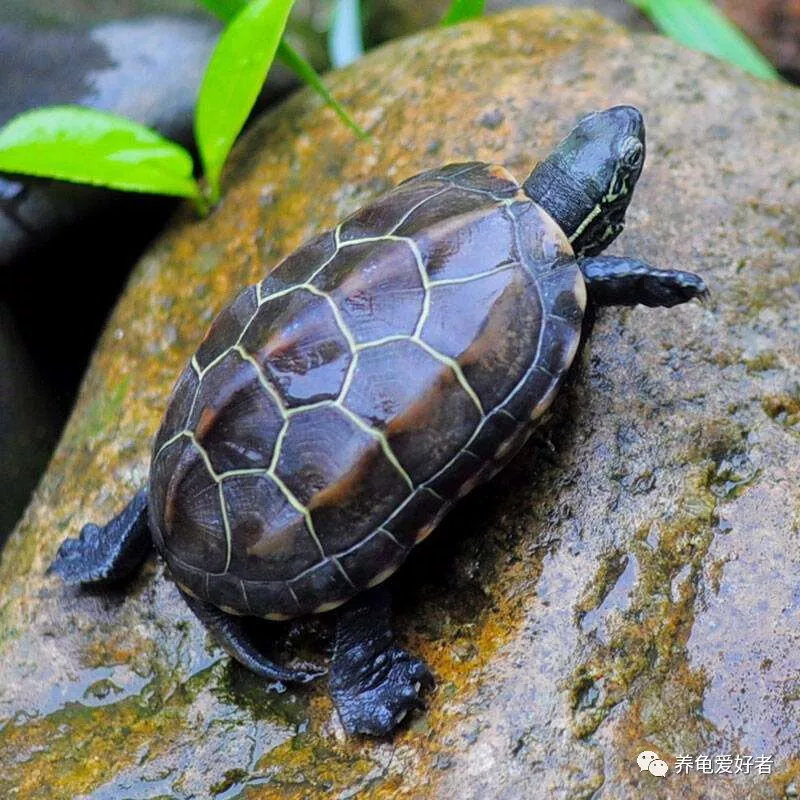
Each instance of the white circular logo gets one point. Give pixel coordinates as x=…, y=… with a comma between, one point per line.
x=650, y=762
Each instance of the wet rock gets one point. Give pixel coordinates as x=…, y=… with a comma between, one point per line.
x=629, y=583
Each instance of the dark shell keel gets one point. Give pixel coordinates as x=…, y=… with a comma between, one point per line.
x=335, y=411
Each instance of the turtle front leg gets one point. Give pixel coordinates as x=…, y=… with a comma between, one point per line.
x=615, y=281
x=374, y=683
x=110, y=553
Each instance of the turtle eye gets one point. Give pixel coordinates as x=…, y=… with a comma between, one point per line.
x=632, y=152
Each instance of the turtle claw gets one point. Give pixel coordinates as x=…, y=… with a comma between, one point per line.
x=420, y=672
x=378, y=696
x=73, y=554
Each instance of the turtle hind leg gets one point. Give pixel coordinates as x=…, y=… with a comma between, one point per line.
x=374, y=683
x=614, y=281
x=228, y=631
x=107, y=554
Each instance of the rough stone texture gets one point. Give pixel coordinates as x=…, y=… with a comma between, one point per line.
x=629, y=583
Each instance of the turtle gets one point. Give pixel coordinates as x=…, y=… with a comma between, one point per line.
x=335, y=411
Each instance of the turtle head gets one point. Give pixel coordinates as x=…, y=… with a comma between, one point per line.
x=586, y=183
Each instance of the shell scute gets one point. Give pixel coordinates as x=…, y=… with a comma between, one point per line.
x=560, y=342
x=164, y=465
x=541, y=242
x=179, y=406
x=227, y=327
x=537, y=384
x=340, y=474
x=384, y=215
x=417, y=401
x=377, y=287
x=490, y=179
x=564, y=293
x=228, y=593
x=497, y=428
x=474, y=177
x=271, y=599
x=193, y=522
x=269, y=536
x=491, y=325
x=300, y=266
x=322, y=587
x=462, y=468
x=379, y=548
x=235, y=419
x=300, y=347
x=423, y=509
x=465, y=242
x=443, y=173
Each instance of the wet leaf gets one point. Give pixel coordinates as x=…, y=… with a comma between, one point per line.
x=295, y=61
x=233, y=80
x=82, y=145
x=227, y=9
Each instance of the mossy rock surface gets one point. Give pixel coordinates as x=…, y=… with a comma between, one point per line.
x=629, y=583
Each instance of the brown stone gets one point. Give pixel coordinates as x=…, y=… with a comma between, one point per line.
x=630, y=581
x=774, y=25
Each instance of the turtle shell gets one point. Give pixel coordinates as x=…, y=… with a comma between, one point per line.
x=335, y=411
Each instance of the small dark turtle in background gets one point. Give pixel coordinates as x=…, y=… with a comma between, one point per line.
x=335, y=411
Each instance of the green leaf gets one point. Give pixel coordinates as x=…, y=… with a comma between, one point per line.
x=462, y=10
x=226, y=10
x=73, y=143
x=700, y=25
x=233, y=80
x=307, y=73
